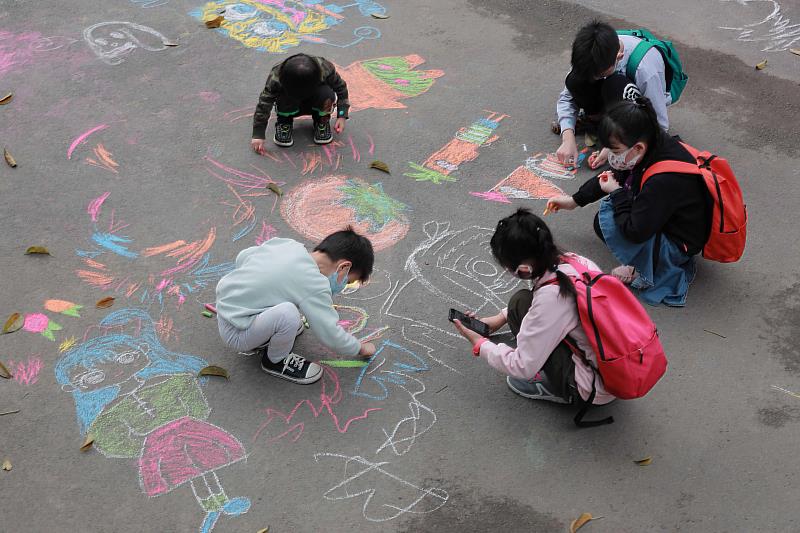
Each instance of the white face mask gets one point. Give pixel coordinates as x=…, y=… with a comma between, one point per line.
x=617, y=161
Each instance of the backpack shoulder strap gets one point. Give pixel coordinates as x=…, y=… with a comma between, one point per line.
x=678, y=167
x=636, y=57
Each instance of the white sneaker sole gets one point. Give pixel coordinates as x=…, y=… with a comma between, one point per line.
x=308, y=380
x=285, y=145
x=323, y=141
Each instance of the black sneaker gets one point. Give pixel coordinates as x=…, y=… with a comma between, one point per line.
x=293, y=368
x=283, y=134
x=264, y=346
x=322, y=131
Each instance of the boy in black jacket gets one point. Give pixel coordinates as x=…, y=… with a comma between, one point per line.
x=300, y=85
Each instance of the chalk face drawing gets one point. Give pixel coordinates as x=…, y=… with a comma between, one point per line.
x=383, y=82
x=319, y=207
x=775, y=31
x=462, y=149
x=279, y=25
x=142, y=401
x=176, y=269
x=362, y=477
x=18, y=50
x=533, y=179
x=113, y=42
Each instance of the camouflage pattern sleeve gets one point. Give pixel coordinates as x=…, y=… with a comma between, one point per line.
x=265, y=102
x=339, y=86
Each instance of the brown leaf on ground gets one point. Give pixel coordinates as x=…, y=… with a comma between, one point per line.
x=6, y=99
x=167, y=42
x=9, y=158
x=87, y=443
x=13, y=323
x=795, y=51
x=212, y=370
x=104, y=303
x=37, y=250
x=7, y=465
x=4, y=372
x=379, y=16
x=380, y=165
x=216, y=22
x=644, y=462
x=274, y=188
x=762, y=65
x=581, y=521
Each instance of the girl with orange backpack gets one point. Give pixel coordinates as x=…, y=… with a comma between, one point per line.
x=653, y=218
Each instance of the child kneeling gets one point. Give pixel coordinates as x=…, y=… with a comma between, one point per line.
x=260, y=302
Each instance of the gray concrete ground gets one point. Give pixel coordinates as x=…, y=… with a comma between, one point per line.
x=426, y=438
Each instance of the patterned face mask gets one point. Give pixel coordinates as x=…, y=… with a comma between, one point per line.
x=617, y=161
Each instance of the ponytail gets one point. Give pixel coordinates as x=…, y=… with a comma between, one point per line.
x=629, y=122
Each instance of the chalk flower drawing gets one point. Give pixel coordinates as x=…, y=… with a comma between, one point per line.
x=462, y=149
x=319, y=207
x=278, y=25
x=361, y=477
x=775, y=31
x=40, y=323
x=113, y=41
x=142, y=401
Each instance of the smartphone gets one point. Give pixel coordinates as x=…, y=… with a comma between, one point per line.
x=470, y=323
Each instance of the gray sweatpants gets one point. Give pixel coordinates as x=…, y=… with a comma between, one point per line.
x=277, y=325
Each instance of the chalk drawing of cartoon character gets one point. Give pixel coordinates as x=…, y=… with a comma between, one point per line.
x=140, y=400
x=112, y=41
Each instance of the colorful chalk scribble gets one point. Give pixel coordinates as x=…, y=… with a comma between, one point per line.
x=382, y=82
x=142, y=401
x=532, y=180
x=319, y=207
x=462, y=149
x=278, y=25
x=176, y=269
x=26, y=372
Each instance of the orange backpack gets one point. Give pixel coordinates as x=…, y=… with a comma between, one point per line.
x=726, y=241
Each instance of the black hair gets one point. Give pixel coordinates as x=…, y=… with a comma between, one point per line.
x=524, y=236
x=299, y=74
x=349, y=245
x=594, y=50
x=629, y=122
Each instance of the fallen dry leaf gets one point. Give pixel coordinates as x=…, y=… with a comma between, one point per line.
x=4, y=372
x=795, y=51
x=13, y=323
x=6, y=99
x=581, y=521
x=9, y=158
x=7, y=465
x=265, y=530
x=762, y=65
x=216, y=22
x=4, y=413
x=87, y=444
x=37, y=250
x=167, y=42
x=212, y=370
x=644, y=462
x=274, y=188
x=380, y=165
x=379, y=16
x=104, y=303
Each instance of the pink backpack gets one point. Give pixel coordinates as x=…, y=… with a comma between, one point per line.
x=630, y=357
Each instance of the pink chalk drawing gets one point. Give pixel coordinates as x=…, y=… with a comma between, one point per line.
x=267, y=232
x=19, y=50
x=279, y=425
x=26, y=372
x=94, y=206
x=40, y=323
x=80, y=139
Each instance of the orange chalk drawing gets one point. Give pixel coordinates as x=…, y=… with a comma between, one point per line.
x=462, y=149
x=104, y=159
x=319, y=207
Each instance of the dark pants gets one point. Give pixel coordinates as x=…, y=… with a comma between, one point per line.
x=597, y=95
x=559, y=368
x=597, y=230
x=318, y=103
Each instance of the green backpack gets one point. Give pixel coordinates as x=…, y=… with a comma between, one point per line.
x=676, y=78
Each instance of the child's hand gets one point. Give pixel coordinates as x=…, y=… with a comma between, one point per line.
x=567, y=153
x=560, y=202
x=598, y=159
x=258, y=146
x=367, y=349
x=494, y=322
x=338, y=126
x=608, y=183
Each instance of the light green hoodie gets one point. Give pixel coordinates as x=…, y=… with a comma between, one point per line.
x=282, y=270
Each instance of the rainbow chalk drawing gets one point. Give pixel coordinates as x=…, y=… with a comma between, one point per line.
x=775, y=31
x=462, y=149
x=113, y=41
x=176, y=269
x=319, y=207
x=533, y=180
x=277, y=25
x=142, y=401
x=361, y=477
x=382, y=82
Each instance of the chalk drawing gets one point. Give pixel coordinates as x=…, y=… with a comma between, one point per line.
x=775, y=31
x=150, y=3
x=40, y=323
x=382, y=83
x=103, y=159
x=267, y=232
x=26, y=372
x=278, y=25
x=532, y=180
x=113, y=41
x=67, y=344
x=64, y=307
x=319, y=207
x=394, y=357
x=462, y=149
x=80, y=139
x=19, y=50
x=361, y=477
x=175, y=269
x=420, y=420
x=142, y=401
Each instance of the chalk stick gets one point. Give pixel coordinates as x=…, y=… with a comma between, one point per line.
x=211, y=308
x=344, y=363
x=207, y=314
